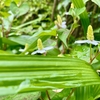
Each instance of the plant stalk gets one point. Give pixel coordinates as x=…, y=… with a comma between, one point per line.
x=48, y=95
x=94, y=57
x=90, y=52
x=70, y=93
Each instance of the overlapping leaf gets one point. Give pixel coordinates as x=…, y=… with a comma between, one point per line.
x=33, y=73
x=84, y=16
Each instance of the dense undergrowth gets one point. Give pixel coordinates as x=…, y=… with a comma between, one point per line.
x=49, y=49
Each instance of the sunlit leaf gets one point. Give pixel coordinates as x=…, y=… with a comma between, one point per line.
x=63, y=4
x=83, y=93
x=91, y=92
x=20, y=39
x=48, y=32
x=43, y=34
x=21, y=10
x=63, y=35
x=14, y=6
x=77, y=11
x=6, y=23
x=84, y=16
x=35, y=73
x=4, y=14
x=4, y=52
x=96, y=91
x=7, y=2
x=97, y=2
x=8, y=41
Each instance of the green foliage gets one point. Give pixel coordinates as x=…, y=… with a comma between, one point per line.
x=97, y=2
x=61, y=70
x=63, y=35
x=25, y=73
x=84, y=16
x=19, y=11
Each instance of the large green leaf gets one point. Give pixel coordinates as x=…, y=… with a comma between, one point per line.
x=43, y=34
x=97, y=2
x=96, y=91
x=8, y=41
x=35, y=73
x=84, y=93
x=31, y=40
x=21, y=10
x=84, y=16
x=21, y=39
x=91, y=92
x=63, y=35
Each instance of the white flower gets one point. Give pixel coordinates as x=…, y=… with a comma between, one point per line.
x=44, y=50
x=88, y=41
x=59, y=22
x=63, y=25
x=90, y=37
x=40, y=47
x=57, y=90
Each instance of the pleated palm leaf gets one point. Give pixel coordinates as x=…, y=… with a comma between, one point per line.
x=32, y=73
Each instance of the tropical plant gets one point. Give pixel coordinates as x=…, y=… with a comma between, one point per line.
x=43, y=56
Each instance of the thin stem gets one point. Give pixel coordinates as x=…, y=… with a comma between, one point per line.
x=54, y=9
x=94, y=57
x=90, y=52
x=48, y=95
x=63, y=49
x=71, y=31
x=71, y=93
